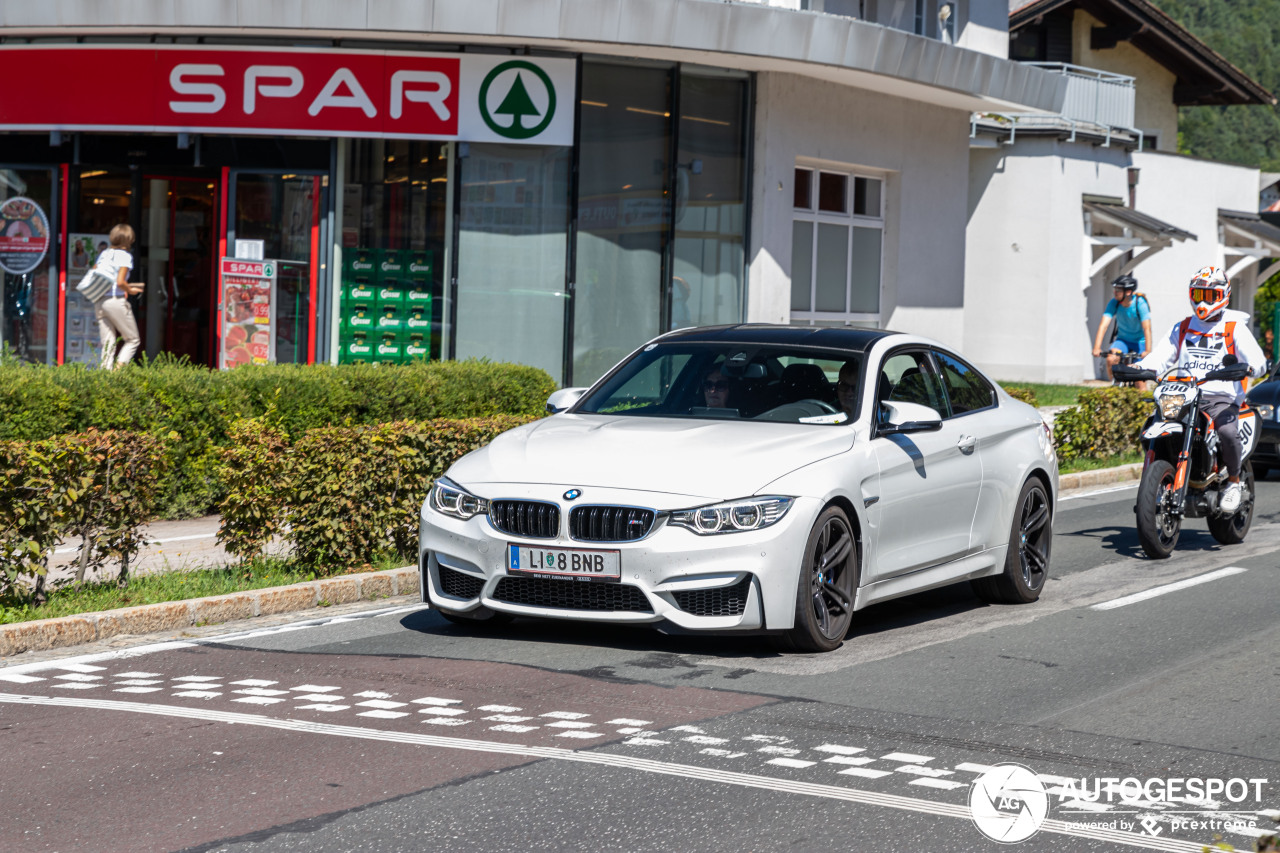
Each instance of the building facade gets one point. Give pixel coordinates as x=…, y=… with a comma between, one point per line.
x=550, y=182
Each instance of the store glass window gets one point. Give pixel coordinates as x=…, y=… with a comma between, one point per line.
x=28, y=263
x=512, y=249
x=623, y=213
x=392, y=229
x=710, y=187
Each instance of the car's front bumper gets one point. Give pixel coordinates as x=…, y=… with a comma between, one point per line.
x=726, y=582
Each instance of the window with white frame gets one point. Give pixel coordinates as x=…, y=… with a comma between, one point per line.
x=837, y=238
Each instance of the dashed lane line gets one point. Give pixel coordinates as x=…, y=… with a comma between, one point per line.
x=644, y=765
x=1169, y=587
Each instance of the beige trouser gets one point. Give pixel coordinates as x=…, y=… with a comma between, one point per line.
x=115, y=320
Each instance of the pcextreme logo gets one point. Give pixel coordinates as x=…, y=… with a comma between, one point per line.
x=517, y=100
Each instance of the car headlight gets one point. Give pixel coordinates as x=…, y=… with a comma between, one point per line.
x=448, y=498
x=1266, y=411
x=1171, y=405
x=733, y=516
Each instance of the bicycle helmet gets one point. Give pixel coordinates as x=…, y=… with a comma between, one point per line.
x=1125, y=282
x=1210, y=291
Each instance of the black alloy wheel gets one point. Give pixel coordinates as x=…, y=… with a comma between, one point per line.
x=828, y=578
x=1026, y=566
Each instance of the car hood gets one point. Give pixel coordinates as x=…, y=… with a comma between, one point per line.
x=715, y=460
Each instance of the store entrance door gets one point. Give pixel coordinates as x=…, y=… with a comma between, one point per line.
x=176, y=251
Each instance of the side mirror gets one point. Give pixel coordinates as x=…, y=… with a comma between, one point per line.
x=563, y=399
x=900, y=417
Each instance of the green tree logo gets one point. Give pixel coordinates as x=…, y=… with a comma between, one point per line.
x=517, y=116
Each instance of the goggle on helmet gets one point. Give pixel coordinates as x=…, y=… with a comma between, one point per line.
x=1210, y=291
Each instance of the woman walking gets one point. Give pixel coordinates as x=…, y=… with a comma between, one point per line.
x=115, y=315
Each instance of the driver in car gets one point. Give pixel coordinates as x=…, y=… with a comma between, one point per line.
x=1200, y=344
x=847, y=388
x=715, y=389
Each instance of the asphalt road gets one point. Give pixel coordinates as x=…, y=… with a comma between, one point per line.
x=394, y=730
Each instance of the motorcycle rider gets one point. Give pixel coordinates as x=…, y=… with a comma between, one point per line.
x=1199, y=344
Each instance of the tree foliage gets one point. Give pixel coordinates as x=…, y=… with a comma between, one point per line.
x=1247, y=34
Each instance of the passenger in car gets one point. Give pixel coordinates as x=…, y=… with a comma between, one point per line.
x=847, y=388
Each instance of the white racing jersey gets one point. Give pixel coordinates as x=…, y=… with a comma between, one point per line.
x=1203, y=346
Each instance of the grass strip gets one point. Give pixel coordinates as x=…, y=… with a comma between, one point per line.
x=160, y=587
x=1077, y=465
x=1050, y=395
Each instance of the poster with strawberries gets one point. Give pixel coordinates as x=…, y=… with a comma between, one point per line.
x=248, y=312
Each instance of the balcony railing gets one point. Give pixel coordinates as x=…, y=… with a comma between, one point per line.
x=1093, y=96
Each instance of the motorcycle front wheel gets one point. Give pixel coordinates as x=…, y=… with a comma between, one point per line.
x=1231, y=529
x=1158, y=523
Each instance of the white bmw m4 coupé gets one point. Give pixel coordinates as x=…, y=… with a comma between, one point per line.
x=750, y=479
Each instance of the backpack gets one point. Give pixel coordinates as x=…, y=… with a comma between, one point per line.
x=1137, y=294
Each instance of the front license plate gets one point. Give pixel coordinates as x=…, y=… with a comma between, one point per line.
x=565, y=562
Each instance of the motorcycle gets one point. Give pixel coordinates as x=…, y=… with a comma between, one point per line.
x=1181, y=475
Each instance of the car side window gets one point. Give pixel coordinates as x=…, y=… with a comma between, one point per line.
x=967, y=390
x=908, y=377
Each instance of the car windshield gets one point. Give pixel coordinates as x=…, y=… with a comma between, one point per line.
x=720, y=381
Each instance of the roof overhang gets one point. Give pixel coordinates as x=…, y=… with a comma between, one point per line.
x=743, y=36
x=1246, y=239
x=1120, y=230
x=1203, y=76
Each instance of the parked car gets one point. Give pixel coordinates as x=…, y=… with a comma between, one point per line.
x=1265, y=398
x=845, y=467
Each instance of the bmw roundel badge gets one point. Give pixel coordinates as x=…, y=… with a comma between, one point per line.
x=572, y=494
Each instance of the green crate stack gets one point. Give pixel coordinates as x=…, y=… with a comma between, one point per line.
x=418, y=282
x=357, y=315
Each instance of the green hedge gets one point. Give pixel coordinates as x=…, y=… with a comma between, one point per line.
x=192, y=408
x=1105, y=422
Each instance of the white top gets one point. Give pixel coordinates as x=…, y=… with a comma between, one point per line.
x=110, y=262
x=1203, y=350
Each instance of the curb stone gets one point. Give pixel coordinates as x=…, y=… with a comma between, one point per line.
x=1100, y=477
x=45, y=634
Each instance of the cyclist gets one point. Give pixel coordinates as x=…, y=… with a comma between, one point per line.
x=1132, y=315
x=1199, y=344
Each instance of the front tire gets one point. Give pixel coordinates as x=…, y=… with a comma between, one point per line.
x=1158, y=525
x=1231, y=529
x=828, y=578
x=1026, y=567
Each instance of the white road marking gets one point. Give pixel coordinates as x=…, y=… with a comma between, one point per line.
x=508, y=727
x=75, y=685
x=841, y=759
x=260, y=691
x=720, y=753
x=256, y=682
x=77, y=676
x=432, y=700
x=508, y=718
x=445, y=721
x=790, y=762
x=140, y=682
x=909, y=757
x=140, y=675
x=693, y=730
x=973, y=768
x=865, y=772
x=1109, y=489
x=258, y=700
x=778, y=750
x=630, y=730
x=916, y=770
x=19, y=678
x=136, y=690
x=944, y=784
x=623, y=721
x=839, y=750
x=569, y=724
x=314, y=688
x=380, y=703
x=198, y=678
x=320, y=697
x=1169, y=587
x=442, y=712
x=705, y=739
x=564, y=715
x=321, y=706
x=373, y=694
x=383, y=715
x=582, y=735
x=198, y=694
x=501, y=709
x=758, y=738
x=645, y=741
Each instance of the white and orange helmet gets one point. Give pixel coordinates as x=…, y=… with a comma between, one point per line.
x=1210, y=291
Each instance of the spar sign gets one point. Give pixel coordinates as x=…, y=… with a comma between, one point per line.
x=295, y=92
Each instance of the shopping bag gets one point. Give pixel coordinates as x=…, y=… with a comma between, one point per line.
x=95, y=286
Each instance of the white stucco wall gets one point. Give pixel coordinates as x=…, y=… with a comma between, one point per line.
x=1187, y=192
x=1026, y=310
x=1153, y=109
x=922, y=152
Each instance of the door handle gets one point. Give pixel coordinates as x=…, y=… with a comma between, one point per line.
x=967, y=443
